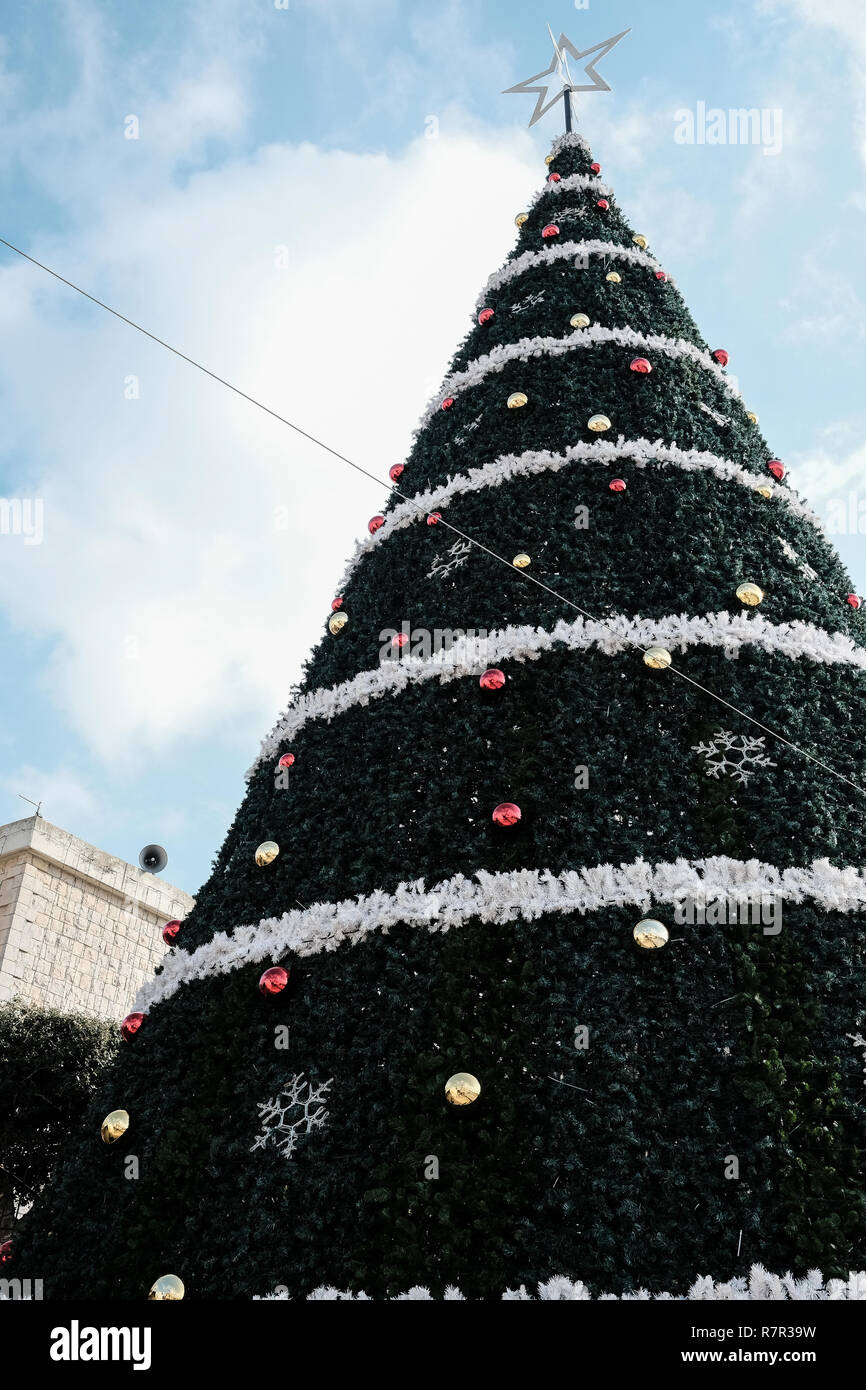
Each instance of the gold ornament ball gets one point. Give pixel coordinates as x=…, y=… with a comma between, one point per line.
x=267, y=853
x=337, y=622
x=167, y=1287
x=114, y=1125
x=549, y=158
x=641, y=241
x=598, y=424
x=750, y=594
x=521, y=218
x=520, y=562
x=462, y=1089
x=650, y=934
x=659, y=658
x=613, y=277
x=579, y=321
x=764, y=491
x=752, y=416
x=517, y=399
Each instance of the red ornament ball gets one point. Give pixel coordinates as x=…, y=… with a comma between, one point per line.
x=777, y=468
x=854, y=600
x=274, y=980
x=617, y=484
x=603, y=204
x=596, y=168
x=448, y=402
x=5, y=1252
x=507, y=813
x=550, y=230
x=336, y=603
x=485, y=316
x=721, y=356
x=399, y=639
x=661, y=275
x=130, y=1026
x=554, y=178
x=640, y=364
x=170, y=931
x=374, y=523
x=395, y=471
x=492, y=679
x=287, y=760
x=433, y=518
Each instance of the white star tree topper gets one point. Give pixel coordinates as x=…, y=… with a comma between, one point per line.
x=560, y=77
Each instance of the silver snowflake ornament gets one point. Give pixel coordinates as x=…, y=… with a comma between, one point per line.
x=442, y=566
x=528, y=303
x=791, y=554
x=280, y=1126
x=716, y=415
x=737, y=756
x=467, y=429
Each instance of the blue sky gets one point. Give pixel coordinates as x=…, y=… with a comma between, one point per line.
x=286, y=215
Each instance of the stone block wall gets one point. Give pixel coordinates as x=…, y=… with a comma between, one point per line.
x=80, y=930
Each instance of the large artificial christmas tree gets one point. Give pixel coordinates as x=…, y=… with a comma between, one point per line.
x=646, y=1114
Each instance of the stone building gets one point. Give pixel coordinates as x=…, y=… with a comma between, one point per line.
x=79, y=929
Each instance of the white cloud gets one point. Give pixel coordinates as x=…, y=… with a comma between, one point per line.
x=823, y=472
x=66, y=798
x=176, y=606
x=834, y=309
x=843, y=19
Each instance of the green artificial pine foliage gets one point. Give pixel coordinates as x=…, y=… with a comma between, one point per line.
x=607, y=1161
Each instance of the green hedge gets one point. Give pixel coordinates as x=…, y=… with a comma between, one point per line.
x=50, y=1065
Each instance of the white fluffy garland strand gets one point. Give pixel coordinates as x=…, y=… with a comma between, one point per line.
x=496, y=898
x=642, y=452
x=761, y=1287
x=573, y=183
x=499, y=357
x=569, y=139
x=470, y=655
x=563, y=251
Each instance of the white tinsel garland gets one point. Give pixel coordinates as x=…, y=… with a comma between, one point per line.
x=549, y=346
x=569, y=139
x=565, y=250
x=642, y=452
x=470, y=655
x=522, y=894
x=760, y=1287
x=574, y=183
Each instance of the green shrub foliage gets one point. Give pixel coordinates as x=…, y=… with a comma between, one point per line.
x=50, y=1066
